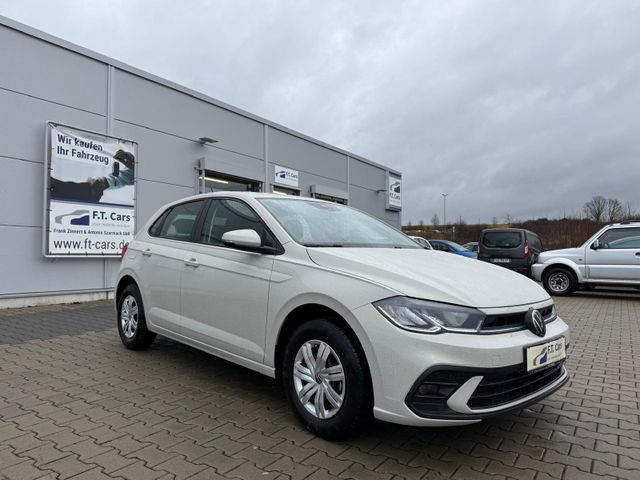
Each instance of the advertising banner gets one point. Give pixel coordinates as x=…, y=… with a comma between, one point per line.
x=90, y=193
x=394, y=193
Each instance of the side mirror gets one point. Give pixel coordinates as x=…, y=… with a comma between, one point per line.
x=595, y=245
x=246, y=238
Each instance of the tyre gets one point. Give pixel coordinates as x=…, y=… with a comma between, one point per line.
x=559, y=282
x=132, y=325
x=326, y=380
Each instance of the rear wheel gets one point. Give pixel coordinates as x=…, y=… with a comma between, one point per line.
x=326, y=380
x=559, y=282
x=132, y=325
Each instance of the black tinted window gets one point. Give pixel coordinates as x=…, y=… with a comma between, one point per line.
x=179, y=221
x=227, y=215
x=502, y=239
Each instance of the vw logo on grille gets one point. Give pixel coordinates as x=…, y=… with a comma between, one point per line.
x=535, y=322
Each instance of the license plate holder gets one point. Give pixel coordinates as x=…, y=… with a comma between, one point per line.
x=545, y=354
x=501, y=260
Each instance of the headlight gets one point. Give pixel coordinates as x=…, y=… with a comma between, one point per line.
x=430, y=317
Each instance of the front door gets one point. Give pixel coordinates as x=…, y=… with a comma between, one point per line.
x=225, y=292
x=617, y=257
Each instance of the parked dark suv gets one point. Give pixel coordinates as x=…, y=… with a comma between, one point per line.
x=513, y=248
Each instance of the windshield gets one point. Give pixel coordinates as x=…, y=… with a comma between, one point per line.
x=319, y=224
x=456, y=247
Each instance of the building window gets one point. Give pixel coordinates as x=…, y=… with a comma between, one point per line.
x=217, y=182
x=285, y=191
x=329, y=198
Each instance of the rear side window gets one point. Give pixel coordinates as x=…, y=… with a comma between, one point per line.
x=227, y=215
x=502, y=239
x=177, y=223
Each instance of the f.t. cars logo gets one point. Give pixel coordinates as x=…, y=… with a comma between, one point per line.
x=77, y=217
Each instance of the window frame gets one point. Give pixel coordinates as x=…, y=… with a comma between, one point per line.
x=197, y=233
x=162, y=218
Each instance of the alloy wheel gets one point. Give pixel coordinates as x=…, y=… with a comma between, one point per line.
x=129, y=316
x=319, y=379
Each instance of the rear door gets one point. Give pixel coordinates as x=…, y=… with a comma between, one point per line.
x=618, y=256
x=502, y=247
x=162, y=263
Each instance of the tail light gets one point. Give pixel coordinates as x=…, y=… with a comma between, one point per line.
x=479, y=243
x=526, y=249
x=124, y=250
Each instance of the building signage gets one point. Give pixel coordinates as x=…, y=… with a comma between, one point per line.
x=90, y=193
x=286, y=176
x=394, y=192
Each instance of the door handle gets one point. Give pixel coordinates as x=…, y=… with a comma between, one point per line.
x=637, y=254
x=147, y=252
x=192, y=262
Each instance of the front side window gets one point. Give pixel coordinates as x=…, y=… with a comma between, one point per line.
x=320, y=224
x=178, y=222
x=618, y=238
x=225, y=215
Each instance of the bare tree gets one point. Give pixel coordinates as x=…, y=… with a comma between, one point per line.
x=409, y=224
x=507, y=219
x=494, y=220
x=435, y=220
x=596, y=208
x=421, y=223
x=615, y=210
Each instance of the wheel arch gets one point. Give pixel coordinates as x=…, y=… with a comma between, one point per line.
x=310, y=311
x=566, y=265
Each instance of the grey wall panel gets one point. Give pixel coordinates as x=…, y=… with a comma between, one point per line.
x=162, y=157
x=222, y=161
x=367, y=176
x=21, y=192
x=290, y=151
x=25, y=271
x=152, y=195
x=143, y=102
x=38, y=68
x=373, y=203
x=22, y=132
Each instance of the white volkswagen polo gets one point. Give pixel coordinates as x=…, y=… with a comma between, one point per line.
x=351, y=315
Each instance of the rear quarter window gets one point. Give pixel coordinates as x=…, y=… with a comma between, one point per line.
x=502, y=239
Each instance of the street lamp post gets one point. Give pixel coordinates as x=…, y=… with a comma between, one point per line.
x=444, y=198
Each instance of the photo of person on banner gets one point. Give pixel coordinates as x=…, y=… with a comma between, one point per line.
x=94, y=188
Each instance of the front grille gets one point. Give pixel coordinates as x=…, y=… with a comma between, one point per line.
x=500, y=388
x=511, y=321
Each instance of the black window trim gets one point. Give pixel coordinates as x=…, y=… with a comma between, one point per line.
x=166, y=213
x=279, y=249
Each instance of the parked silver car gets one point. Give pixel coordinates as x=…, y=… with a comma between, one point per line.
x=610, y=257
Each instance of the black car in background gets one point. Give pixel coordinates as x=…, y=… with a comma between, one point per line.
x=513, y=248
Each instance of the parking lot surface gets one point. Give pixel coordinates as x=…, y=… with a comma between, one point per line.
x=74, y=403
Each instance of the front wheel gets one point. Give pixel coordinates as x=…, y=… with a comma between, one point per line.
x=559, y=282
x=132, y=325
x=326, y=380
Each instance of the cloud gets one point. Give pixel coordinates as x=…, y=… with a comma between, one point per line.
x=524, y=108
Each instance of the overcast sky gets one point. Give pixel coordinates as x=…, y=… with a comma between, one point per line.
x=525, y=108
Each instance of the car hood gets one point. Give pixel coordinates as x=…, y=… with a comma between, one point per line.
x=564, y=253
x=434, y=275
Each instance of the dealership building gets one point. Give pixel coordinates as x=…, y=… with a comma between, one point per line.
x=69, y=112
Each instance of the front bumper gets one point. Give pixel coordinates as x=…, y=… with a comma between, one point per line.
x=400, y=359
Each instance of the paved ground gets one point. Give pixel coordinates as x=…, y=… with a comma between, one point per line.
x=75, y=404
